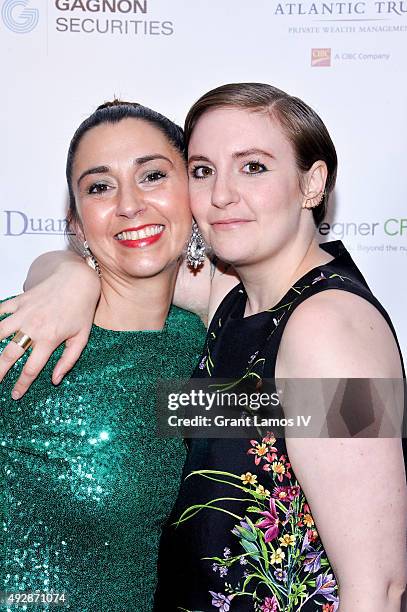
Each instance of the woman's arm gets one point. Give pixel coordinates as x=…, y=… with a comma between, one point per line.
x=202, y=291
x=356, y=487
x=50, y=263
x=59, y=305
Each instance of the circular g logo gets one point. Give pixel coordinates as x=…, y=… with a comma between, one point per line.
x=17, y=17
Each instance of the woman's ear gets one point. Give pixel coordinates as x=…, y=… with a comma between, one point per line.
x=76, y=235
x=315, y=184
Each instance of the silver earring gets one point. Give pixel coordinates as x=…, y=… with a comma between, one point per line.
x=91, y=259
x=196, y=248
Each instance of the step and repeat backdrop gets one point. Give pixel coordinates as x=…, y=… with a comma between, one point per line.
x=62, y=58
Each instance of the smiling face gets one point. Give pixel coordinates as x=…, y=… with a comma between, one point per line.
x=245, y=185
x=131, y=192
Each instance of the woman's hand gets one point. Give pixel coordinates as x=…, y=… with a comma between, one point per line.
x=59, y=308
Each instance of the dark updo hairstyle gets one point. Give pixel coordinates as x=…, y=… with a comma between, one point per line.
x=302, y=126
x=113, y=112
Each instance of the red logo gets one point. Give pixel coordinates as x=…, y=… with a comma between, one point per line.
x=320, y=57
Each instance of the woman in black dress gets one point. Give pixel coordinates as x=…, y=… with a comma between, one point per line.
x=246, y=533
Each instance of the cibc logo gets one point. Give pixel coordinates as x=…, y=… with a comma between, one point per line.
x=320, y=57
x=18, y=17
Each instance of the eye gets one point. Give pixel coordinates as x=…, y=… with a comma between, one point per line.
x=254, y=167
x=201, y=172
x=154, y=176
x=98, y=188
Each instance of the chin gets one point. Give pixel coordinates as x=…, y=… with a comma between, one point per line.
x=234, y=254
x=150, y=269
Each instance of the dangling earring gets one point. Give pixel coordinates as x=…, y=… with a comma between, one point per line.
x=91, y=259
x=196, y=248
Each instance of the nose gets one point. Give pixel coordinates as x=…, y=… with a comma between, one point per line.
x=130, y=203
x=224, y=191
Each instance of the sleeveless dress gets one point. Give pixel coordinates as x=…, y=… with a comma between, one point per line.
x=241, y=537
x=86, y=484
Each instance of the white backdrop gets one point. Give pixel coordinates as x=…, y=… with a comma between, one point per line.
x=63, y=58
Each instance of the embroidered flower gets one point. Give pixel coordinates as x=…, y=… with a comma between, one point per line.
x=281, y=493
x=202, y=363
x=287, y=540
x=271, y=455
x=318, y=278
x=221, y=601
x=269, y=438
x=270, y=522
x=305, y=518
x=312, y=561
x=294, y=492
x=270, y=605
x=279, y=469
x=326, y=585
x=262, y=491
x=308, y=520
x=253, y=357
x=312, y=535
x=243, y=561
x=223, y=571
x=226, y=553
x=286, y=493
x=280, y=575
x=249, y=478
x=277, y=556
x=245, y=531
x=259, y=450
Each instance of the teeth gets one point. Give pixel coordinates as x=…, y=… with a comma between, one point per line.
x=146, y=232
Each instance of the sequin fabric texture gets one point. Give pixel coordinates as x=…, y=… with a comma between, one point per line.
x=86, y=484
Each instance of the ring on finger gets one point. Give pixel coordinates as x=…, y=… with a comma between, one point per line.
x=23, y=340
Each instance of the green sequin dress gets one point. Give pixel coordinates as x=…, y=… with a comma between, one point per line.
x=86, y=484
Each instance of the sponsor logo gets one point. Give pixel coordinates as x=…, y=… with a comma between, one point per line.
x=18, y=17
x=18, y=223
x=111, y=17
x=103, y=6
x=320, y=57
x=341, y=9
x=393, y=227
x=364, y=57
x=381, y=16
x=387, y=236
x=325, y=57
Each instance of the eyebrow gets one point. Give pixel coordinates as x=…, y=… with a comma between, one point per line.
x=236, y=155
x=253, y=151
x=139, y=161
x=97, y=170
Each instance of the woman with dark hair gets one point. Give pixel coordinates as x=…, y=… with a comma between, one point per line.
x=86, y=483
x=268, y=524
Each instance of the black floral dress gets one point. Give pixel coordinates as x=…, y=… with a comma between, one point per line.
x=242, y=537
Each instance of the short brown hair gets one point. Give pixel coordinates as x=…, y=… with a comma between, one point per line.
x=302, y=125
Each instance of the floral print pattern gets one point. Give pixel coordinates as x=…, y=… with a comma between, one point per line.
x=284, y=566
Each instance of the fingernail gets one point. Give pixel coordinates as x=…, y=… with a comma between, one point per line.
x=15, y=395
x=57, y=379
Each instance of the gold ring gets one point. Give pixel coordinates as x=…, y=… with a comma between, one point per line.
x=22, y=340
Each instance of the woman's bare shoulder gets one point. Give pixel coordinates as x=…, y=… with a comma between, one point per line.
x=337, y=333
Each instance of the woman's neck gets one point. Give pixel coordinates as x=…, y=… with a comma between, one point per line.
x=135, y=304
x=268, y=281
